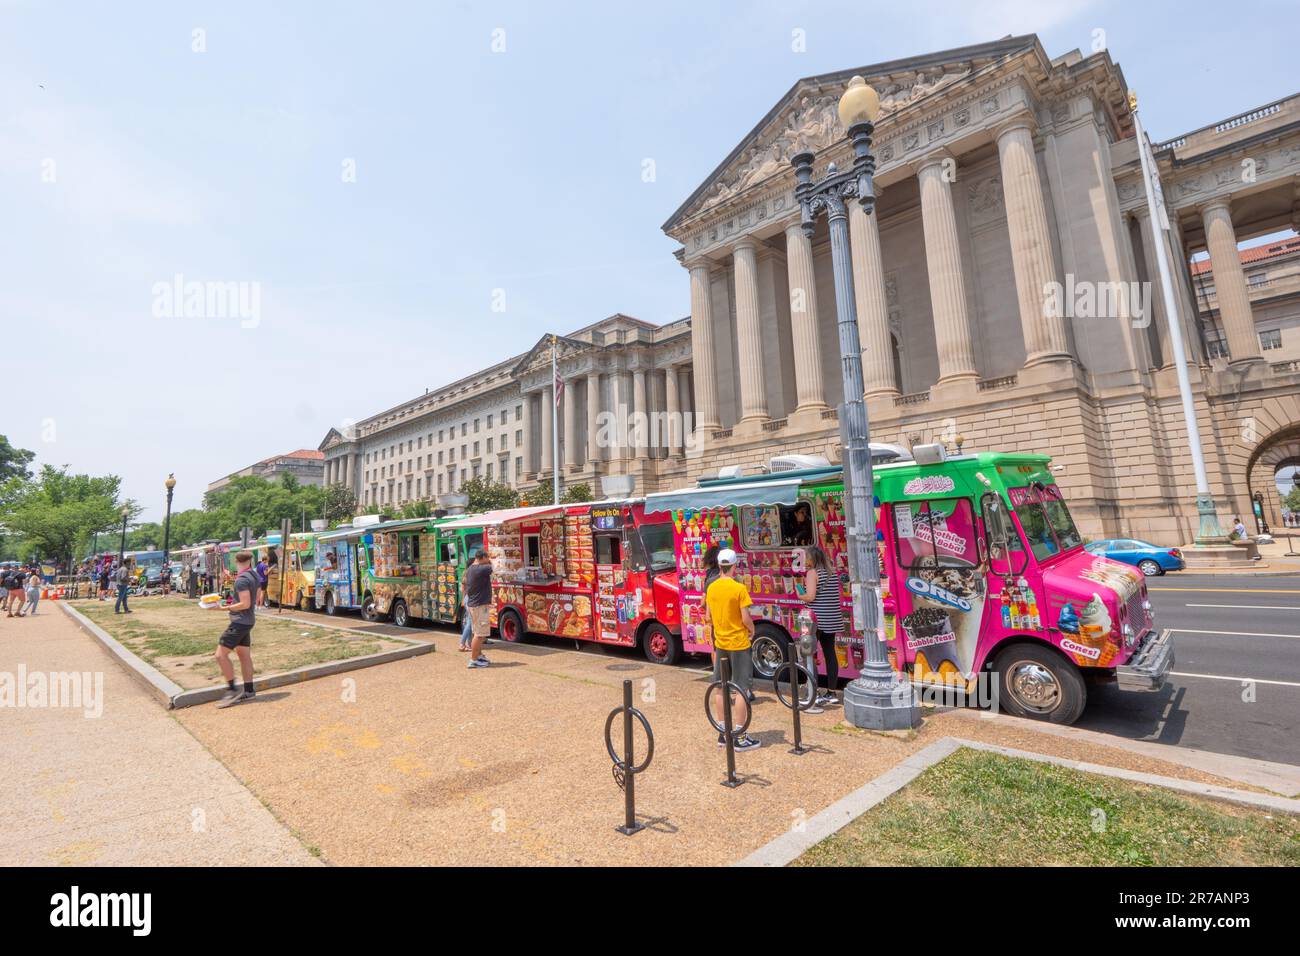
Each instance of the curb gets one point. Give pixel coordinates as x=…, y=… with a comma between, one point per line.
x=788, y=847
x=171, y=695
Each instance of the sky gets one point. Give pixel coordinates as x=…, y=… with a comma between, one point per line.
x=414, y=191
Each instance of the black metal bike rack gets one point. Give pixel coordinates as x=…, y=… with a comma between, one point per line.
x=626, y=768
x=795, y=669
x=728, y=727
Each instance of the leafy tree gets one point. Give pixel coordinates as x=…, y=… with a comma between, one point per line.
x=14, y=461
x=340, y=504
x=1292, y=500
x=255, y=503
x=488, y=495
x=577, y=493
x=415, y=509
x=57, y=514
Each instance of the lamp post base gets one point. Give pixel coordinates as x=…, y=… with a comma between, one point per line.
x=1210, y=531
x=881, y=700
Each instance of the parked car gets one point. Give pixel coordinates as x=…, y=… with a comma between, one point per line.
x=1148, y=558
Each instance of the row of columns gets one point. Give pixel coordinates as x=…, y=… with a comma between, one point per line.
x=338, y=471
x=631, y=394
x=1032, y=260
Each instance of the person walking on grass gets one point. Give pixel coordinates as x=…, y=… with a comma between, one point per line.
x=238, y=636
x=103, y=580
x=822, y=594
x=477, y=586
x=122, y=577
x=727, y=604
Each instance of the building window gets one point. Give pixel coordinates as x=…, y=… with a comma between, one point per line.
x=519, y=412
x=505, y=441
x=1270, y=339
x=464, y=429
x=440, y=458
x=464, y=451
x=476, y=421
x=440, y=484
x=519, y=467
x=489, y=471
x=476, y=449
x=489, y=446
x=1215, y=345
x=519, y=437
x=1257, y=280
x=440, y=436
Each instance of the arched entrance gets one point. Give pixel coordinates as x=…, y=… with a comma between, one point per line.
x=1279, y=451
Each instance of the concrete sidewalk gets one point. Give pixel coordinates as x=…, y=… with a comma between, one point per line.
x=128, y=787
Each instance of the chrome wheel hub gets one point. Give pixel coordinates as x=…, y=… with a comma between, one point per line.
x=1035, y=687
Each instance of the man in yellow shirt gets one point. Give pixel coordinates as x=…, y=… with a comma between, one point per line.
x=727, y=604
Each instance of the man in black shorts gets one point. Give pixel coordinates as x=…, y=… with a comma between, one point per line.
x=239, y=635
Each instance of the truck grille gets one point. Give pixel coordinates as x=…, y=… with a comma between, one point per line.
x=1137, y=613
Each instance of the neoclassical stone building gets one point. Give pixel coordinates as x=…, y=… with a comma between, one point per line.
x=1002, y=174
x=1006, y=294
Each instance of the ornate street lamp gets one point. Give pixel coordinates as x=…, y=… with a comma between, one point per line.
x=121, y=545
x=167, y=523
x=879, y=699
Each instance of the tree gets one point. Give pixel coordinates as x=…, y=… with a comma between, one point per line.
x=1292, y=500
x=415, y=509
x=14, y=461
x=340, y=504
x=577, y=493
x=57, y=514
x=488, y=495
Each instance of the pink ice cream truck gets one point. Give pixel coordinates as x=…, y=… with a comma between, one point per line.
x=984, y=578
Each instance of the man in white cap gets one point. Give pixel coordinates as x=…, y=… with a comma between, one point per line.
x=727, y=604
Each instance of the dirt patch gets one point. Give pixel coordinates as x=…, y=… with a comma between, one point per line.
x=179, y=639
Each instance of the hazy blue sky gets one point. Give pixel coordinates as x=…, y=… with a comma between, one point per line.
x=475, y=170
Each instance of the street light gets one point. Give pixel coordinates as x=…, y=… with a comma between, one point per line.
x=121, y=546
x=879, y=699
x=167, y=523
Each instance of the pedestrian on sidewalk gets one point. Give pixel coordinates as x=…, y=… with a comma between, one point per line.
x=122, y=577
x=477, y=586
x=260, y=569
x=33, y=591
x=238, y=636
x=13, y=585
x=467, y=627
x=822, y=594
x=726, y=612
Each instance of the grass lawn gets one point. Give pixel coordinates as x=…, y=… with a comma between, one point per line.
x=179, y=639
x=983, y=809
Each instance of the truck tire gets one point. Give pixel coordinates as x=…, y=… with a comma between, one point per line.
x=401, y=617
x=661, y=646
x=368, y=612
x=510, y=626
x=1038, y=682
x=770, y=648
x=331, y=609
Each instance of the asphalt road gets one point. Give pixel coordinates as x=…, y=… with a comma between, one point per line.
x=1235, y=687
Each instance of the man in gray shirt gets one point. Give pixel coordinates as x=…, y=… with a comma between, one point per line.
x=122, y=578
x=238, y=636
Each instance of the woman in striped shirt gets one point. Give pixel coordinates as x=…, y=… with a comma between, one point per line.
x=822, y=593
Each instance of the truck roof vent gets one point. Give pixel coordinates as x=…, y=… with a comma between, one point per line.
x=796, y=463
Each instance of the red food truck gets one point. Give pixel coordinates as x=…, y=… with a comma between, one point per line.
x=602, y=572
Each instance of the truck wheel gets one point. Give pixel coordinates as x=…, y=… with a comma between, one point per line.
x=368, y=612
x=330, y=608
x=302, y=603
x=400, y=616
x=661, y=645
x=1150, y=568
x=1039, y=683
x=510, y=626
x=769, y=650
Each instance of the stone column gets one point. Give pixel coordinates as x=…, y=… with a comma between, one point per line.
x=873, y=306
x=753, y=396
x=527, y=452
x=572, y=453
x=1230, y=283
x=673, y=408
x=943, y=263
x=347, y=470
x=545, y=410
x=803, y=320
x=593, y=413
x=706, y=380
x=640, y=414
x=1031, y=245
x=1158, y=317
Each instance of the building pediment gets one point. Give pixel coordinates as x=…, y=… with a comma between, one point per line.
x=540, y=354
x=806, y=118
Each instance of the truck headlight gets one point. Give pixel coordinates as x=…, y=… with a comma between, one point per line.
x=1129, y=636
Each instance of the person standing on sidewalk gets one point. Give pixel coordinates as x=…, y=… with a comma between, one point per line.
x=122, y=577
x=13, y=585
x=33, y=591
x=822, y=594
x=727, y=604
x=238, y=636
x=477, y=586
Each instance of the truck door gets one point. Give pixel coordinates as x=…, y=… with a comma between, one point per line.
x=610, y=578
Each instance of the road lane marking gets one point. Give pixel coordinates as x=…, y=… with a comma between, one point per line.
x=1188, y=630
x=1242, y=680
x=1253, y=607
x=1230, y=590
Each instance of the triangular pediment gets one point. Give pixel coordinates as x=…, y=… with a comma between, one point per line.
x=806, y=117
x=540, y=354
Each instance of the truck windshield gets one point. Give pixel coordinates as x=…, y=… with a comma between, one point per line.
x=1046, y=520
x=657, y=539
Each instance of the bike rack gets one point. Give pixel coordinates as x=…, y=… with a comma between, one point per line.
x=625, y=767
x=727, y=728
x=795, y=703
x=1293, y=553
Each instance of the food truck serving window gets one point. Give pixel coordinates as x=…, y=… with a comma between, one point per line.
x=657, y=540
x=1045, y=519
x=765, y=527
x=936, y=534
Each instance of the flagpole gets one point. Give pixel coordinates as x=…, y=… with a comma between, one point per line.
x=1210, y=531
x=555, y=424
